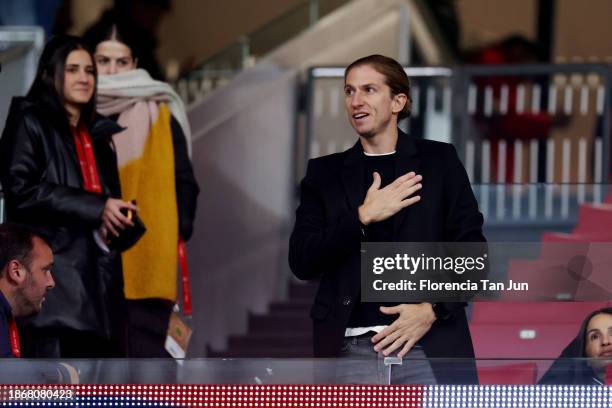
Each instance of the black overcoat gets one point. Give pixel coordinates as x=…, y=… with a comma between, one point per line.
x=325, y=243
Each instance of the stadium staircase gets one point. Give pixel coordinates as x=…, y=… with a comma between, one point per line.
x=284, y=332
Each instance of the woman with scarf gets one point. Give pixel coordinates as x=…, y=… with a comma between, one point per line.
x=587, y=358
x=156, y=172
x=59, y=174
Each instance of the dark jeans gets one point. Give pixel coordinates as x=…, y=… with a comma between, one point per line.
x=360, y=364
x=147, y=322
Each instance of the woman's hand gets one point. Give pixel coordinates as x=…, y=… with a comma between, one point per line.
x=113, y=219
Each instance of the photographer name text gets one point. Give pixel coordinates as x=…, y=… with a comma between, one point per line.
x=468, y=285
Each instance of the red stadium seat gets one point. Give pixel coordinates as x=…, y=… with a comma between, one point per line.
x=532, y=312
x=594, y=219
x=523, y=374
x=537, y=341
x=522, y=340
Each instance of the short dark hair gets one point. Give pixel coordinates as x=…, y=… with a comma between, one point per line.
x=395, y=77
x=126, y=4
x=48, y=85
x=16, y=243
x=112, y=26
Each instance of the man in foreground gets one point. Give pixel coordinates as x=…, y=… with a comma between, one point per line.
x=26, y=261
x=389, y=187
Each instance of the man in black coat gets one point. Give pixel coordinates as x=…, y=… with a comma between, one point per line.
x=389, y=187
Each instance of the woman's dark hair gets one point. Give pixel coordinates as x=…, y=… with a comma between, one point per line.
x=16, y=244
x=395, y=77
x=112, y=26
x=48, y=85
x=581, y=340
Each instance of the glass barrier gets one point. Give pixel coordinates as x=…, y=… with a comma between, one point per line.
x=274, y=371
x=306, y=383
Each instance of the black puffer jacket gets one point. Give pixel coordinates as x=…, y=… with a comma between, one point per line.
x=43, y=187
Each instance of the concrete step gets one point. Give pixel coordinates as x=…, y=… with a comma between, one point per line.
x=301, y=307
x=298, y=340
x=280, y=322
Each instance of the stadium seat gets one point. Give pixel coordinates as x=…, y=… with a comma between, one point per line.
x=510, y=374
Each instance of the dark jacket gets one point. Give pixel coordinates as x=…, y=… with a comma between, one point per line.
x=326, y=239
x=5, y=337
x=570, y=368
x=187, y=188
x=43, y=187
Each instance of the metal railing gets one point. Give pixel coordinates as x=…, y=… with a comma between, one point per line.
x=534, y=123
x=467, y=105
x=245, y=51
x=513, y=126
x=549, y=205
x=453, y=373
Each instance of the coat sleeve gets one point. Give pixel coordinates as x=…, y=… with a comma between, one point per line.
x=318, y=245
x=187, y=188
x=22, y=170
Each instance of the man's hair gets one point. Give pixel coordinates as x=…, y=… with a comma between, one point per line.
x=395, y=77
x=16, y=243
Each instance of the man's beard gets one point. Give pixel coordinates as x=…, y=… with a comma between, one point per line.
x=25, y=307
x=368, y=135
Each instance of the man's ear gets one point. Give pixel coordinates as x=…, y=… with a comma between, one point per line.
x=399, y=102
x=15, y=272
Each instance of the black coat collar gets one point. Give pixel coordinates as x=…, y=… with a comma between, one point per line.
x=104, y=127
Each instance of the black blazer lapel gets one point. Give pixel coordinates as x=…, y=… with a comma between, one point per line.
x=407, y=160
x=352, y=176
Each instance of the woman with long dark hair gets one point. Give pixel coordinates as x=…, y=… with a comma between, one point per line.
x=58, y=172
x=586, y=359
